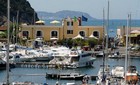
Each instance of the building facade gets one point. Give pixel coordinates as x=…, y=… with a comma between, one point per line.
x=69, y=29
x=133, y=34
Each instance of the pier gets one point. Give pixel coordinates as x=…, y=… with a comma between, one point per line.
x=40, y=65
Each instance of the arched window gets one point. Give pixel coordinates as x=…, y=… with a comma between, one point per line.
x=96, y=34
x=39, y=34
x=25, y=34
x=54, y=34
x=82, y=33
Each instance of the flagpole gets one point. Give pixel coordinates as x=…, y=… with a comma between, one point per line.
x=8, y=25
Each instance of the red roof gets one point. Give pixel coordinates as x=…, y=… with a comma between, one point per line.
x=3, y=28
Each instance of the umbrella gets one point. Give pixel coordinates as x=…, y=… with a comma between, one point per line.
x=135, y=31
x=53, y=38
x=39, y=39
x=91, y=36
x=40, y=22
x=78, y=36
x=55, y=22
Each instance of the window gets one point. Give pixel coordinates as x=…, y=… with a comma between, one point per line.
x=25, y=33
x=54, y=34
x=69, y=31
x=96, y=34
x=69, y=23
x=39, y=34
x=82, y=33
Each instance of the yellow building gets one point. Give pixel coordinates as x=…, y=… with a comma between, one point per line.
x=133, y=34
x=69, y=29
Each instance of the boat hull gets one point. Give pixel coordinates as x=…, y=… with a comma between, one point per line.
x=65, y=76
x=2, y=66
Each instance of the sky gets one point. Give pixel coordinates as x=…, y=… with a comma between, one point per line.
x=118, y=9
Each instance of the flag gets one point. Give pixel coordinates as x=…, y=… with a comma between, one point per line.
x=75, y=19
x=84, y=18
x=79, y=21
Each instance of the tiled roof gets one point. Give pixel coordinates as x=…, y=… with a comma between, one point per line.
x=3, y=28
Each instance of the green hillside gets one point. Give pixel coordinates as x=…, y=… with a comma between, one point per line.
x=20, y=8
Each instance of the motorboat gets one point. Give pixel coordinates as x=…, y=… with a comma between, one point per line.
x=41, y=55
x=23, y=83
x=114, y=55
x=118, y=72
x=132, y=75
x=19, y=57
x=60, y=56
x=99, y=54
x=72, y=76
x=65, y=76
x=71, y=84
x=103, y=74
x=73, y=58
x=79, y=58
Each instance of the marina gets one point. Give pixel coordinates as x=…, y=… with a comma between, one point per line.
x=68, y=54
x=38, y=75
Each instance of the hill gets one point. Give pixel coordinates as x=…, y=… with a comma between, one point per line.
x=20, y=8
x=62, y=14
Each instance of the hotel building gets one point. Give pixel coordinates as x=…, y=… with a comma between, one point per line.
x=68, y=29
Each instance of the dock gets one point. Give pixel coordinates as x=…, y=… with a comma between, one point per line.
x=40, y=65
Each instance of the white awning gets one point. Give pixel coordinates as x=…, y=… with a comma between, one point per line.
x=78, y=36
x=91, y=36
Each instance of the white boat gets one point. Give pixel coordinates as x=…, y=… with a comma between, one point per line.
x=103, y=72
x=71, y=84
x=73, y=58
x=132, y=75
x=99, y=54
x=21, y=83
x=60, y=55
x=19, y=57
x=66, y=76
x=114, y=55
x=41, y=55
x=118, y=72
x=79, y=58
x=72, y=76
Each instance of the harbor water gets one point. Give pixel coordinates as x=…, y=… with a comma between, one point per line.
x=37, y=75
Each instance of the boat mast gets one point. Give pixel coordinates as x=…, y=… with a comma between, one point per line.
x=129, y=38
x=103, y=41
x=106, y=34
x=8, y=25
x=126, y=50
x=17, y=27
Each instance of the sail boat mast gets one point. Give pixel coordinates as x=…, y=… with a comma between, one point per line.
x=126, y=50
x=129, y=39
x=106, y=34
x=8, y=25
